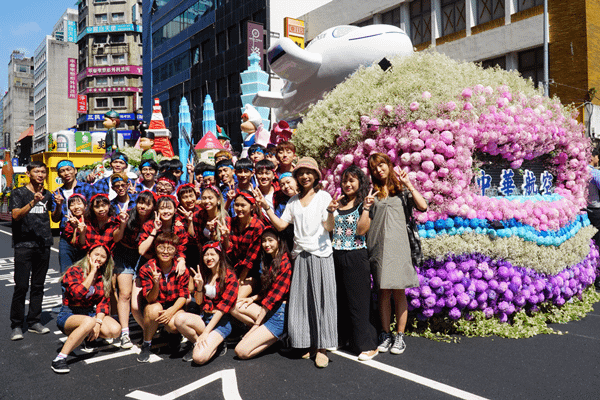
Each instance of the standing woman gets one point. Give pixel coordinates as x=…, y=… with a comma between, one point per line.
x=101, y=223
x=312, y=317
x=85, y=312
x=389, y=247
x=210, y=216
x=352, y=269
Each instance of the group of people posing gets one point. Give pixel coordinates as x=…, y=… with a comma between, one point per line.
x=255, y=246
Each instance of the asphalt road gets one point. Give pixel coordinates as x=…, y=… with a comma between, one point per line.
x=543, y=367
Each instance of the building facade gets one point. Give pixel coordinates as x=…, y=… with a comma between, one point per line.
x=18, y=111
x=55, y=92
x=505, y=33
x=110, y=62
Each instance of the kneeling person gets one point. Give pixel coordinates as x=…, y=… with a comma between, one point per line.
x=164, y=291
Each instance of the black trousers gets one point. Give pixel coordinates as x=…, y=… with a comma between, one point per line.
x=353, y=278
x=30, y=263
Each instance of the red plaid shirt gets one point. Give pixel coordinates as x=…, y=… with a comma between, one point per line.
x=223, y=301
x=131, y=236
x=178, y=229
x=281, y=286
x=199, y=220
x=76, y=295
x=68, y=232
x=170, y=287
x=95, y=235
x=244, y=247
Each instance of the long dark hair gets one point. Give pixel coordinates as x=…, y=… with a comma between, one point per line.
x=167, y=199
x=392, y=186
x=221, y=269
x=145, y=197
x=271, y=265
x=90, y=215
x=363, y=184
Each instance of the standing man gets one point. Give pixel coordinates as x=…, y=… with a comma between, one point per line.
x=67, y=172
x=593, y=203
x=31, y=240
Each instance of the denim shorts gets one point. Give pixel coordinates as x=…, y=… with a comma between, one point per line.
x=276, y=321
x=223, y=328
x=125, y=259
x=66, y=311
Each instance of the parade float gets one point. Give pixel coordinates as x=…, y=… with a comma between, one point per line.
x=507, y=243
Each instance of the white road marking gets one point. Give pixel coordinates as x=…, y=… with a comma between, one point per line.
x=461, y=394
x=10, y=234
x=229, y=384
x=133, y=350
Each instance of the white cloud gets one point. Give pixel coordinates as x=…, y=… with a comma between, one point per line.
x=24, y=29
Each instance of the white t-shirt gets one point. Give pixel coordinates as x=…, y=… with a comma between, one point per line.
x=309, y=233
x=67, y=194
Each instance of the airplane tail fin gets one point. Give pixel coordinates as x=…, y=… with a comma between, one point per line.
x=291, y=62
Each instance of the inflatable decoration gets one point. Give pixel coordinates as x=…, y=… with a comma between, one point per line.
x=112, y=120
x=447, y=123
x=280, y=133
x=162, y=136
x=185, y=134
x=327, y=60
x=252, y=129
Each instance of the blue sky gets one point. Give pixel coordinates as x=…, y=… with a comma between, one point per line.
x=23, y=25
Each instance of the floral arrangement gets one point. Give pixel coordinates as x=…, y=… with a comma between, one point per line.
x=441, y=121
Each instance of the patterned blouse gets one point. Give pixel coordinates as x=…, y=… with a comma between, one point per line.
x=344, y=232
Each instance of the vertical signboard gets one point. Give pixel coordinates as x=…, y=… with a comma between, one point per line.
x=72, y=78
x=294, y=29
x=81, y=103
x=255, y=34
x=72, y=31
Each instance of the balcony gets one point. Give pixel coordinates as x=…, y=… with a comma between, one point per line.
x=110, y=48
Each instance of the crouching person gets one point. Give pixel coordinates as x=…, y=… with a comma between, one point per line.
x=164, y=291
x=86, y=303
x=216, y=291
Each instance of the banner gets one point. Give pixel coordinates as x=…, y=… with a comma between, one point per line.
x=81, y=103
x=72, y=77
x=255, y=34
x=294, y=29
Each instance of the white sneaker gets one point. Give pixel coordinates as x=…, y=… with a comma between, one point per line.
x=399, y=346
x=367, y=355
x=126, y=342
x=386, y=340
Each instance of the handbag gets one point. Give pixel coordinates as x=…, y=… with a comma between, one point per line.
x=414, y=239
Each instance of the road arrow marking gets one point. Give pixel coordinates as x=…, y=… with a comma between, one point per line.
x=229, y=383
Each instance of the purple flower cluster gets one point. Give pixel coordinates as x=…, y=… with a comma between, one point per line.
x=460, y=284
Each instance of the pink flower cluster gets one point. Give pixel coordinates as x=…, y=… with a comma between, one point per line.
x=438, y=153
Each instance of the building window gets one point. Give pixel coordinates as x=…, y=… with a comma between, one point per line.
x=391, y=17
x=420, y=21
x=495, y=62
x=118, y=59
x=233, y=35
x=118, y=102
x=525, y=4
x=100, y=39
x=101, y=60
x=453, y=16
x=222, y=92
x=234, y=83
x=101, y=102
x=204, y=47
x=195, y=55
x=119, y=38
x=31, y=113
x=102, y=81
x=22, y=68
x=489, y=10
x=118, y=81
x=118, y=17
x=531, y=64
x=365, y=22
x=221, y=42
x=182, y=21
x=101, y=19
x=82, y=24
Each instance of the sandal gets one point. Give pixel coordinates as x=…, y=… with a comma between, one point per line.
x=321, y=360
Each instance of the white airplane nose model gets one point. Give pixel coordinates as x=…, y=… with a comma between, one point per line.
x=329, y=59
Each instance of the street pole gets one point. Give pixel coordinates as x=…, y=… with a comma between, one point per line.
x=546, y=78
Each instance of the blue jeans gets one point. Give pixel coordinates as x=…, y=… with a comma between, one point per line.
x=65, y=312
x=275, y=321
x=68, y=254
x=223, y=327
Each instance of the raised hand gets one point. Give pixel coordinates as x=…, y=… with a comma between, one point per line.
x=186, y=214
x=38, y=196
x=156, y=275
x=157, y=223
x=223, y=230
x=123, y=214
x=260, y=199
x=335, y=203
x=81, y=226
x=402, y=176
x=198, y=281
x=231, y=193
x=58, y=199
x=369, y=200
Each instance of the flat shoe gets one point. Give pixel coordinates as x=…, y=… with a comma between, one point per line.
x=367, y=355
x=309, y=354
x=321, y=360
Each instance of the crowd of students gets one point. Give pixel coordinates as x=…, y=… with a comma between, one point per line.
x=253, y=246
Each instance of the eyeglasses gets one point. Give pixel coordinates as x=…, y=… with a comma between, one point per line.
x=119, y=186
x=164, y=248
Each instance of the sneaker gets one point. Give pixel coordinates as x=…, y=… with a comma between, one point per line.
x=39, y=329
x=60, y=366
x=222, y=349
x=367, y=355
x=87, y=346
x=144, y=355
x=189, y=356
x=385, y=341
x=399, y=346
x=126, y=342
x=16, y=334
